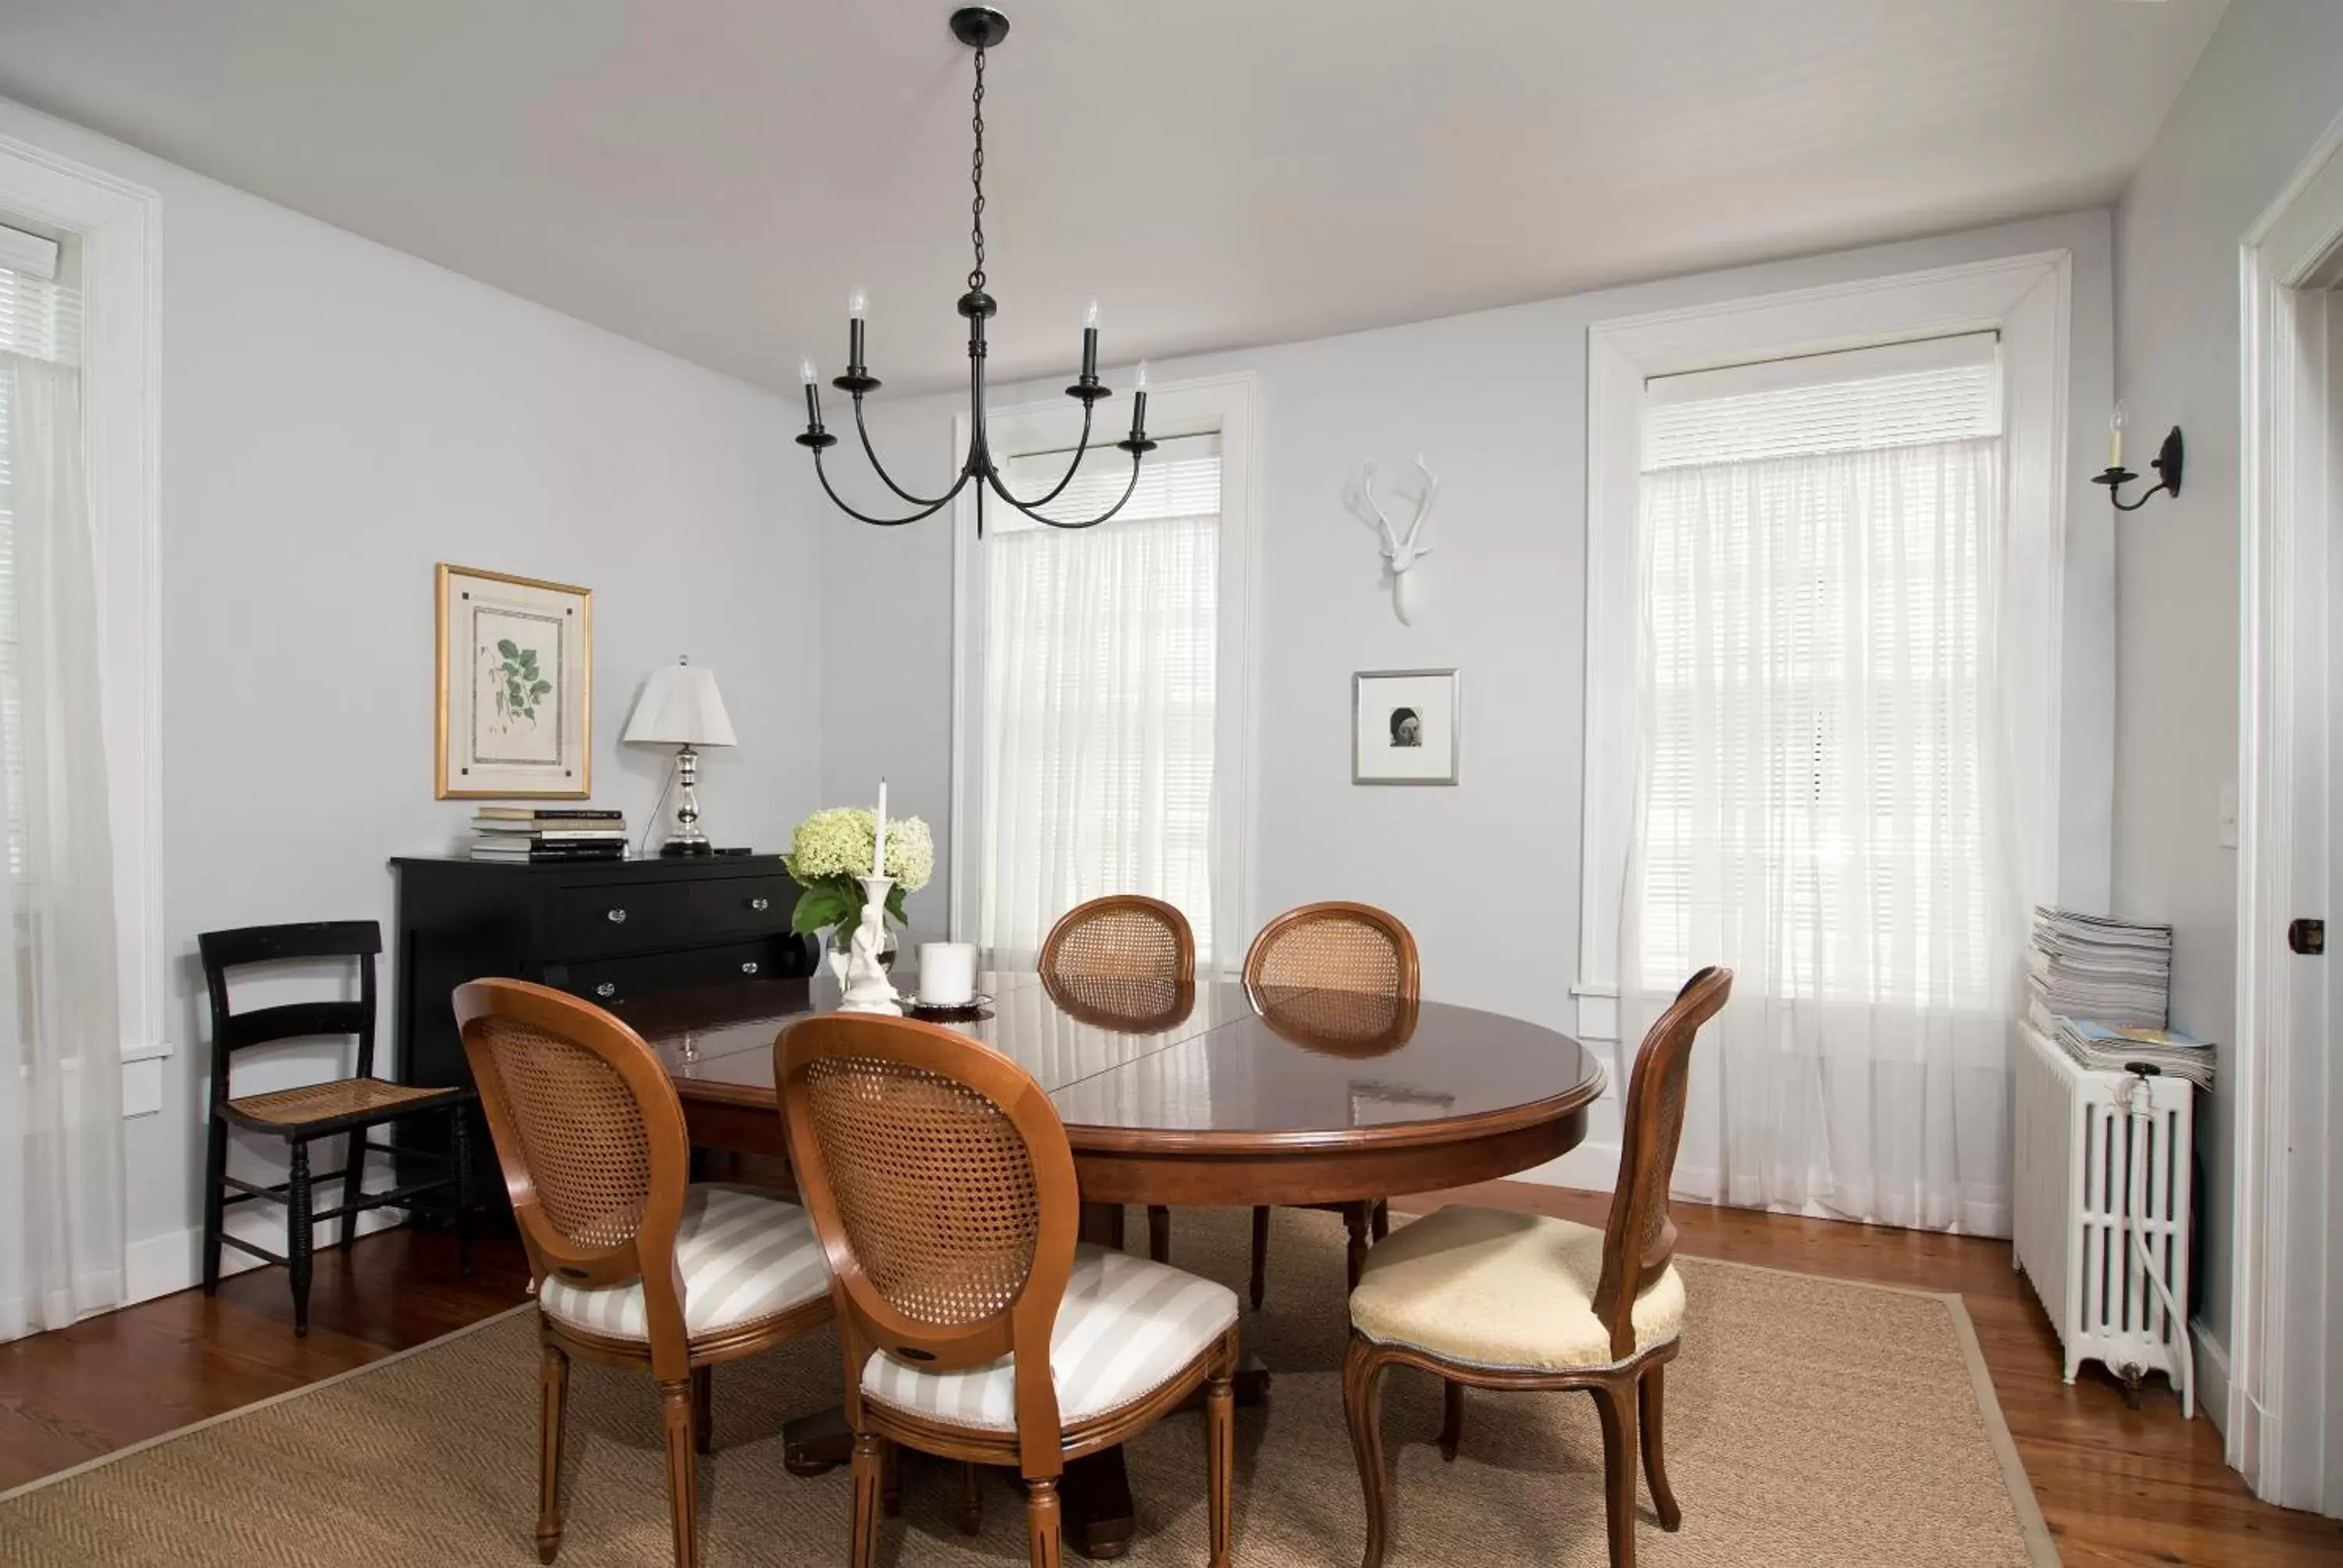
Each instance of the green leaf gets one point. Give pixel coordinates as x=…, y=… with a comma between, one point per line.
x=895, y=905
x=824, y=904
x=508, y=647
x=541, y=688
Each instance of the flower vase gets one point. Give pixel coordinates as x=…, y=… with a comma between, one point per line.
x=865, y=980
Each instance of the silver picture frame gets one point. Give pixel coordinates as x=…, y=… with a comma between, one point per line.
x=1431, y=696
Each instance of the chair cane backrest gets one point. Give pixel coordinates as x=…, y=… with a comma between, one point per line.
x=1639, y=1239
x=1334, y=947
x=940, y=1180
x=590, y=1135
x=1125, y=961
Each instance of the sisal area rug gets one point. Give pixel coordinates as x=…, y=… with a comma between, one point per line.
x=1809, y=1422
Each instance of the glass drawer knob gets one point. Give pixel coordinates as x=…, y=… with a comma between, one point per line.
x=749, y=968
x=618, y=916
x=607, y=987
x=760, y=905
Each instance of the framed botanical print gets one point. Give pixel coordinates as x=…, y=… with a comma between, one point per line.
x=516, y=687
x=1403, y=726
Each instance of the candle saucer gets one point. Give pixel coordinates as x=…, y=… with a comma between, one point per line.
x=976, y=1007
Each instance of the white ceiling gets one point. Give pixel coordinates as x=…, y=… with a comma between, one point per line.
x=711, y=175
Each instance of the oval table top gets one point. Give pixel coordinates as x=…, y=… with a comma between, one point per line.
x=1318, y=1096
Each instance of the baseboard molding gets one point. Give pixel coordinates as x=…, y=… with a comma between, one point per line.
x=174, y=1261
x=2212, y=1374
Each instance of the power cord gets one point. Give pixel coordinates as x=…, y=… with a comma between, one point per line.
x=2130, y=1094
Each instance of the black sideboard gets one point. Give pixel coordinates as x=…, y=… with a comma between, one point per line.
x=612, y=932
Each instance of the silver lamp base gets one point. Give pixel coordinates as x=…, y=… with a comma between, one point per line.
x=687, y=838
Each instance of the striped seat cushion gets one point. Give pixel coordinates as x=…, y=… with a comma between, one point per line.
x=742, y=1255
x=1125, y=1329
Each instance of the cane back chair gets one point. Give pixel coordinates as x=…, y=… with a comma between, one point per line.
x=635, y=1264
x=1127, y=959
x=1354, y=950
x=350, y=1108
x=972, y=1325
x=1509, y=1300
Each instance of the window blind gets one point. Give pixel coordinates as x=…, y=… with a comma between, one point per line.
x=40, y=318
x=1181, y=478
x=1865, y=399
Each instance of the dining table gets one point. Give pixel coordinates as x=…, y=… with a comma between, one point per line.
x=1182, y=1093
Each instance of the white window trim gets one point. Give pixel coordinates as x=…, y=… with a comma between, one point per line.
x=2027, y=300
x=1229, y=404
x=118, y=225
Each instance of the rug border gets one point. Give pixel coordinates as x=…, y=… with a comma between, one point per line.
x=2041, y=1546
x=290, y=1394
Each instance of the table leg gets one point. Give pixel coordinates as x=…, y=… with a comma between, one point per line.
x=1103, y=1225
x=813, y=1445
x=1094, y=1495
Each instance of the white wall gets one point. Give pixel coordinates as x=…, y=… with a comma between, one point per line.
x=2267, y=86
x=336, y=417
x=1496, y=402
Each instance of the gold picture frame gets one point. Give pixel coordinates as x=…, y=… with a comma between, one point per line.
x=515, y=701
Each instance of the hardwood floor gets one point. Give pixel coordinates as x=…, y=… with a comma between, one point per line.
x=2118, y=1486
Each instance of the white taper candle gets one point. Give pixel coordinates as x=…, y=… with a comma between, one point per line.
x=879, y=845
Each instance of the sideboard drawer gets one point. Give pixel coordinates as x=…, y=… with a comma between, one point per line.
x=618, y=917
x=748, y=904
x=611, y=982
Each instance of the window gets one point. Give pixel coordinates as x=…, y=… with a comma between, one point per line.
x=1814, y=535
x=1096, y=744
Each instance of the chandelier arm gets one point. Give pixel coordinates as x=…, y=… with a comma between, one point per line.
x=993, y=477
x=1081, y=448
x=887, y=479
x=927, y=509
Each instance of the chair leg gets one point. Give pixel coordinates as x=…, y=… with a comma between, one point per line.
x=1158, y=1233
x=1356, y=1217
x=682, y=1470
x=1042, y=1545
x=215, y=1200
x=1220, y=1460
x=553, y=1412
x=459, y=1146
x=1451, y=1421
x=972, y=1498
x=870, y=1462
x=1260, y=1253
x=297, y=1244
x=1649, y=1411
x=703, y=1409
x=1362, y=1372
x=353, y=1186
x=1383, y=1218
x=1615, y=1404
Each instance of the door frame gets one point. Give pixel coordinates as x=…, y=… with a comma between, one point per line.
x=2284, y=1429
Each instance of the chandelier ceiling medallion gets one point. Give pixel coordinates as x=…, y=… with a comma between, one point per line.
x=980, y=28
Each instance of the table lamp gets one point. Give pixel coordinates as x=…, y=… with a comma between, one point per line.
x=679, y=707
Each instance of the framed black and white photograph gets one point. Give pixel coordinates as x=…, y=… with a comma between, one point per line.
x=1403, y=726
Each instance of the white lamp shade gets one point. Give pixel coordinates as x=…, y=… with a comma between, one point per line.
x=679, y=707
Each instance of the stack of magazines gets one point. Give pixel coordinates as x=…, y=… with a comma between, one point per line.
x=530, y=836
x=2094, y=967
x=2113, y=1047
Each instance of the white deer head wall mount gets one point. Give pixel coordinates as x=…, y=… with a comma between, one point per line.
x=1401, y=552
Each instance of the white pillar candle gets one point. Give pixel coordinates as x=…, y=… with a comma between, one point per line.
x=879, y=842
x=947, y=973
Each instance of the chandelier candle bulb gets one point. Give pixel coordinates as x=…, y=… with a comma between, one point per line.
x=857, y=305
x=2115, y=438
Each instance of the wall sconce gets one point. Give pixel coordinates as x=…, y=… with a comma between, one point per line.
x=2167, y=464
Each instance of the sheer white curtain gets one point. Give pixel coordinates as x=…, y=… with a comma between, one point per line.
x=1820, y=800
x=1095, y=738
x=61, y=1199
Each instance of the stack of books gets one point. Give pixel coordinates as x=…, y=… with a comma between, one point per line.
x=530, y=834
x=2093, y=967
x=2113, y=1047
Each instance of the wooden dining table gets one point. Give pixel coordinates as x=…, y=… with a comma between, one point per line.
x=1177, y=1093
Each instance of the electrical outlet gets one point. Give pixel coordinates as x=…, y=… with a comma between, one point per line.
x=2225, y=834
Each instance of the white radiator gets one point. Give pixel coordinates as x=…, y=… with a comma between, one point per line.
x=2083, y=1169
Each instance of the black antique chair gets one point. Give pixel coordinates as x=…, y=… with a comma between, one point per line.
x=351, y=1106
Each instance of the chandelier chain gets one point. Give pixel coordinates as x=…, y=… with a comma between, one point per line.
x=976, y=179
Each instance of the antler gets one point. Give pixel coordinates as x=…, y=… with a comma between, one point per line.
x=1382, y=523
x=1423, y=508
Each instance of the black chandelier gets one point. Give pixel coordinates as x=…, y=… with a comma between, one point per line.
x=980, y=28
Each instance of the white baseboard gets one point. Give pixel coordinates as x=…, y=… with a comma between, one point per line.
x=2212, y=1374
x=162, y=1265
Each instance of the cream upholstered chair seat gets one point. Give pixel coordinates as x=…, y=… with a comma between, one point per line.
x=1500, y=1289
x=1127, y=1327
x=743, y=1255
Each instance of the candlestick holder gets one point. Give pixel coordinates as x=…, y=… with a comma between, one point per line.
x=2167, y=464
x=867, y=987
